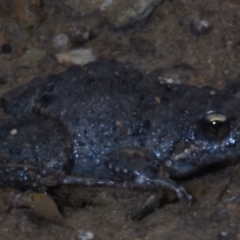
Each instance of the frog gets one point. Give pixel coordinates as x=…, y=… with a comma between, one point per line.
x=110, y=124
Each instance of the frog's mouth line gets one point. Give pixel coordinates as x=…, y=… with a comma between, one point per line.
x=201, y=152
x=185, y=150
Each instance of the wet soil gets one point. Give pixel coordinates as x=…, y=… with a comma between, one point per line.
x=193, y=42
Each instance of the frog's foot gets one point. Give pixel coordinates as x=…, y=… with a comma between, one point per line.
x=154, y=184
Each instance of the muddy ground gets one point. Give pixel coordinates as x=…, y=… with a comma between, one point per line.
x=194, y=42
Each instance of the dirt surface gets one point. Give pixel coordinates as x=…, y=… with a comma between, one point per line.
x=194, y=42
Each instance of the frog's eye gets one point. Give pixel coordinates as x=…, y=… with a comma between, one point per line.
x=215, y=125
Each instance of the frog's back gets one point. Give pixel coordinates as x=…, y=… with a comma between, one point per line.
x=106, y=103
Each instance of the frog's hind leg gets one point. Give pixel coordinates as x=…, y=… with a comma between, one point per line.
x=141, y=182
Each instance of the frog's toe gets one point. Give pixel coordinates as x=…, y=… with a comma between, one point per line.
x=182, y=193
x=156, y=183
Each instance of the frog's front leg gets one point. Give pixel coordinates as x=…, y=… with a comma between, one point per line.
x=140, y=171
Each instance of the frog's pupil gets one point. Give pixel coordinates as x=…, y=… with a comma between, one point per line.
x=217, y=124
x=215, y=128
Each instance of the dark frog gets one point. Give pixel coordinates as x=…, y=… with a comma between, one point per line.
x=109, y=124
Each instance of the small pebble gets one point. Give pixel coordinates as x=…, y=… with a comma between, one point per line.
x=79, y=33
x=62, y=42
x=78, y=56
x=6, y=48
x=106, y=4
x=212, y=92
x=169, y=80
x=13, y=131
x=223, y=236
x=85, y=235
x=199, y=27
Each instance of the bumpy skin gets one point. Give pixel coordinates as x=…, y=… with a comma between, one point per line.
x=126, y=127
x=35, y=152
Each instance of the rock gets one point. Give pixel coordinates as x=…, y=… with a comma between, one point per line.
x=78, y=56
x=42, y=205
x=31, y=58
x=78, y=33
x=119, y=14
x=123, y=14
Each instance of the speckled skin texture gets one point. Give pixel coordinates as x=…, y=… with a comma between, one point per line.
x=35, y=152
x=124, y=126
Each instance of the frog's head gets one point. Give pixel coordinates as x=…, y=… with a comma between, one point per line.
x=214, y=137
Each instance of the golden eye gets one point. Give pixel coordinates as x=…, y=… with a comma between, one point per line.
x=215, y=125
